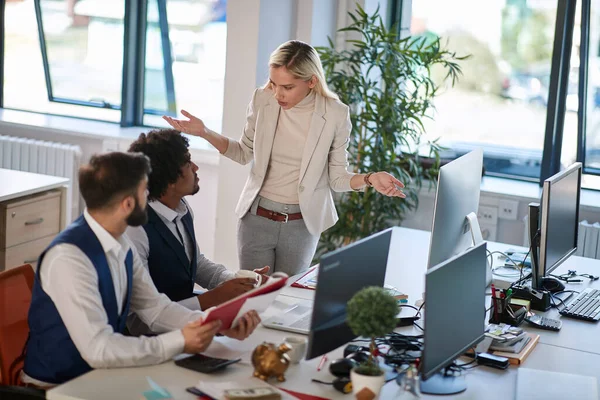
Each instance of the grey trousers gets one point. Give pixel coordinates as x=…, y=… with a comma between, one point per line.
x=285, y=247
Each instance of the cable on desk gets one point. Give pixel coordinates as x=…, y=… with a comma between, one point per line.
x=571, y=276
x=421, y=306
x=522, y=278
x=554, y=296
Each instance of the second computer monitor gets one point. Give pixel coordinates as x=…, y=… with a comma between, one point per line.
x=559, y=219
x=454, y=317
x=342, y=273
x=459, y=185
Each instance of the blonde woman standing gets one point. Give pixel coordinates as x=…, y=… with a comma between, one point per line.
x=296, y=136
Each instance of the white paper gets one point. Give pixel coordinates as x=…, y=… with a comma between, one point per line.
x=216, y=389
x=533, y=384
x=217, y=349
x=257, y=303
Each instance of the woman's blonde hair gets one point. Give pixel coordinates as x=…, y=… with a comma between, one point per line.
x=303, y=62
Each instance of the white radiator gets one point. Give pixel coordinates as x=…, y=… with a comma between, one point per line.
x=56, y=159
x=588, y=239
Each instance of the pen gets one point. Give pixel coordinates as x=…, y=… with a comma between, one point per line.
x=495, y=304
x=322, y=362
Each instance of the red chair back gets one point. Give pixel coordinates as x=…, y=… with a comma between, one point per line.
x=16, y=286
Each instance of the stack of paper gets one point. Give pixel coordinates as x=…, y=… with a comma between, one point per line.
x=518, y=358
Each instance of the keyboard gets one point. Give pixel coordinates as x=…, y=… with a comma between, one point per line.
x=303, y=323
x=585, y=306
x=204, y=364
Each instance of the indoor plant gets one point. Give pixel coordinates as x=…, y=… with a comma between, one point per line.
x=371, y=313
x=389, y=85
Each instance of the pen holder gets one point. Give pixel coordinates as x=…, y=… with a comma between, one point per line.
x=502, y=312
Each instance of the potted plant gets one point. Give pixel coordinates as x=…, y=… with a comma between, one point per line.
x=389, y=84
x=371, y=313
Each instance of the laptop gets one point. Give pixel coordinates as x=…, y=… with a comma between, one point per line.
x=341, y=274
x=295, y=317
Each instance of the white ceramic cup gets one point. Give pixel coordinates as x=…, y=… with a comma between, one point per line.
x=298, y=350
x=242, y=273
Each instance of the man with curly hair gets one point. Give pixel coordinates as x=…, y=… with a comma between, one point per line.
x=167, y=243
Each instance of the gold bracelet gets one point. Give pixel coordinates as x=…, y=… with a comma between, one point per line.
x=367, y=182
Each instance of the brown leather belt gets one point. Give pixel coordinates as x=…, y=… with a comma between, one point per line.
x=277, y=216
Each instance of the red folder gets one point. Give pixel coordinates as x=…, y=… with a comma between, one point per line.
x=302, y=396
x=227, y=311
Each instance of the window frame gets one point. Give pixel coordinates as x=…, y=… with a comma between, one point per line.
x=2, y=39
x=48, y=74
x=584, y=55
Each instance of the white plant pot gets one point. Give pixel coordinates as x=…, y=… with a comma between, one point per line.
x=374, y=383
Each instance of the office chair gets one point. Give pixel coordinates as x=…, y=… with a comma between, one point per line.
x=16, y=286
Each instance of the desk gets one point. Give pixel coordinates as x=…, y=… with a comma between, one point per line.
x=33, y=209
x=572, y=350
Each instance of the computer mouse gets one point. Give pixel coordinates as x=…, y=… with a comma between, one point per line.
x=342, y=366
x=552, y=285
x=359, y=356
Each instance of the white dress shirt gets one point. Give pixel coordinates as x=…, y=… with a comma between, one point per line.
x=71, y=281
x=208, y=274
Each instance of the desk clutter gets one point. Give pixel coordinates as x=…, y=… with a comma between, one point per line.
x=504, y=310
x=511, y=342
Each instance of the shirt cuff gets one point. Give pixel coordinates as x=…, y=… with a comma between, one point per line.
x=191, y=303
x=172, y=343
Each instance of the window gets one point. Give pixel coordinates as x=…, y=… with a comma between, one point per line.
x=500, y=101
x=195, y=49
x=69, y=57
x=591, y=144
x=81, y=66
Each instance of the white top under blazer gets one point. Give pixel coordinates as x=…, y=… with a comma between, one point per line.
x=324, y=159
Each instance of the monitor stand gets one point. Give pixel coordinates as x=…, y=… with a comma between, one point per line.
x=477, y=237
x=441, y=383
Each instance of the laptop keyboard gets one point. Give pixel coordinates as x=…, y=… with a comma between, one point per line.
x=300, y=309
x=585, y=306
x=302, y=323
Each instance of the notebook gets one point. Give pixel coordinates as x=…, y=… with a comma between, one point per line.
x=533, y=384
x=309, y=279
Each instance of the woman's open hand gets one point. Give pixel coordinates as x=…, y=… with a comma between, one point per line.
x=193, y=126
x=386, y=184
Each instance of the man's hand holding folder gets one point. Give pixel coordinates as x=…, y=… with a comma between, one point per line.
x=199, y=334
x=235, y=312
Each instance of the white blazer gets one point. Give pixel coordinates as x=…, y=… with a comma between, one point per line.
x=324, y=161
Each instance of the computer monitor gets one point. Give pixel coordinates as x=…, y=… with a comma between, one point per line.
x=558, y=223
x=457, y=196
x=454, y=317
x=342, y=273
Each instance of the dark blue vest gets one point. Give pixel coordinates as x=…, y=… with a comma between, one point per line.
x=171, y=270
x=51, y=354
